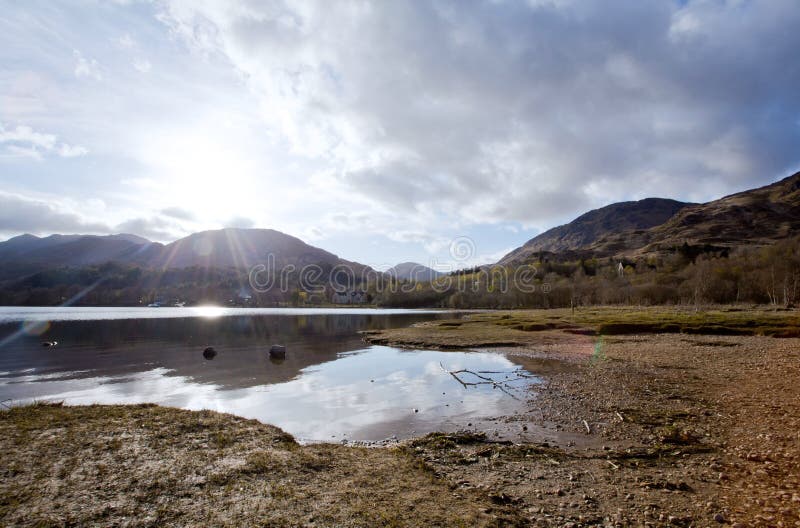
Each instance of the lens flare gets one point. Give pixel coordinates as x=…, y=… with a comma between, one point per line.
x=35, y=328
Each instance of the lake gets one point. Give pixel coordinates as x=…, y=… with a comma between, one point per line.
x=331, y=386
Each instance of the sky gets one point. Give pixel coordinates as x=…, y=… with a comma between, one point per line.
x=442, y=132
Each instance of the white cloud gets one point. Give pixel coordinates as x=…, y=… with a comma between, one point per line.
x=126, y=41
x=178, y=213
x=24, y=214
x=241, y=222
x=152, y=228
x=142, y=65
x=511, y=111
x=86, y=68
x=24, y=141
x=70, y=151
x=25, y=134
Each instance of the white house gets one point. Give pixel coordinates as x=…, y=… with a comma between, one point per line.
x=349, y=297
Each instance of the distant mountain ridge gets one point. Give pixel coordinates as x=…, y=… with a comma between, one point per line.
x=413, y=271
x=223, y=248
x=755, y=217
x=242, y=248
x=72, y=250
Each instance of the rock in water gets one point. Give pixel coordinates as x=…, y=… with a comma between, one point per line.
x=209, y=353
x=277, y=351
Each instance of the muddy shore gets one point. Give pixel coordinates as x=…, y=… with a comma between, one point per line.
x=668, y=429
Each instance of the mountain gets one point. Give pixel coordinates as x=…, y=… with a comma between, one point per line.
x=72, y=250
x=223, y=248
x=413, y=271
x=243, y=249
x=26, y=254
x=593, y=226
x=755, y=217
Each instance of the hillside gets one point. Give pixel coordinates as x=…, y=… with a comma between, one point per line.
x=755, y=217
x=593, y=226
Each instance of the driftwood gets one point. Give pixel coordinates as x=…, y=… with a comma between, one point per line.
x=485, y=380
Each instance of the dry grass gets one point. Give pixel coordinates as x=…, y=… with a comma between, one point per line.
x=146, y=465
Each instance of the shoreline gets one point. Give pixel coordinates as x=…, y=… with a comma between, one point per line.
x=671, y=429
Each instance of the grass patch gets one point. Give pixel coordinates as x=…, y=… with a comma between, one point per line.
x=646, y=320
x=158, y=465
x=526, y=327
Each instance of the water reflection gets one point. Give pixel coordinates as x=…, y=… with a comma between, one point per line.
x=330, y=386
x=124, y=346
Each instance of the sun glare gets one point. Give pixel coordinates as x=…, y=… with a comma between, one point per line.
x=209, y=311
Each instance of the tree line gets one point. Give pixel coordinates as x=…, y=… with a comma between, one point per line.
x=686, y=274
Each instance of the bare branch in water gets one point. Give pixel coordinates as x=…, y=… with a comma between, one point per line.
x=502, y=385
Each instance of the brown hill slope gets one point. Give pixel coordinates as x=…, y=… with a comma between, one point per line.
x=759, y=216
x=596, y=225
x=756, y=217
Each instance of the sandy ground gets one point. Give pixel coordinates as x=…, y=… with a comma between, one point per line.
x=648, y=430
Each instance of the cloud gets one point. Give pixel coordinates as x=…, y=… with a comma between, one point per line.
x=86, y=68
x=178, y=213
x=24, y=141
x=71, y=151
x=154, y=228
x=518, y=111
x=240, y=222
x=25, y=214
x=142, y=65
x=389, y=128
x=126, y=41
x=22, y=214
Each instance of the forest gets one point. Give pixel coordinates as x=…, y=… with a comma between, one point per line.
x=687, y=275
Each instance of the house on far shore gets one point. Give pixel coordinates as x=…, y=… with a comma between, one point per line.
x=242, y=298
x=349, y=297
